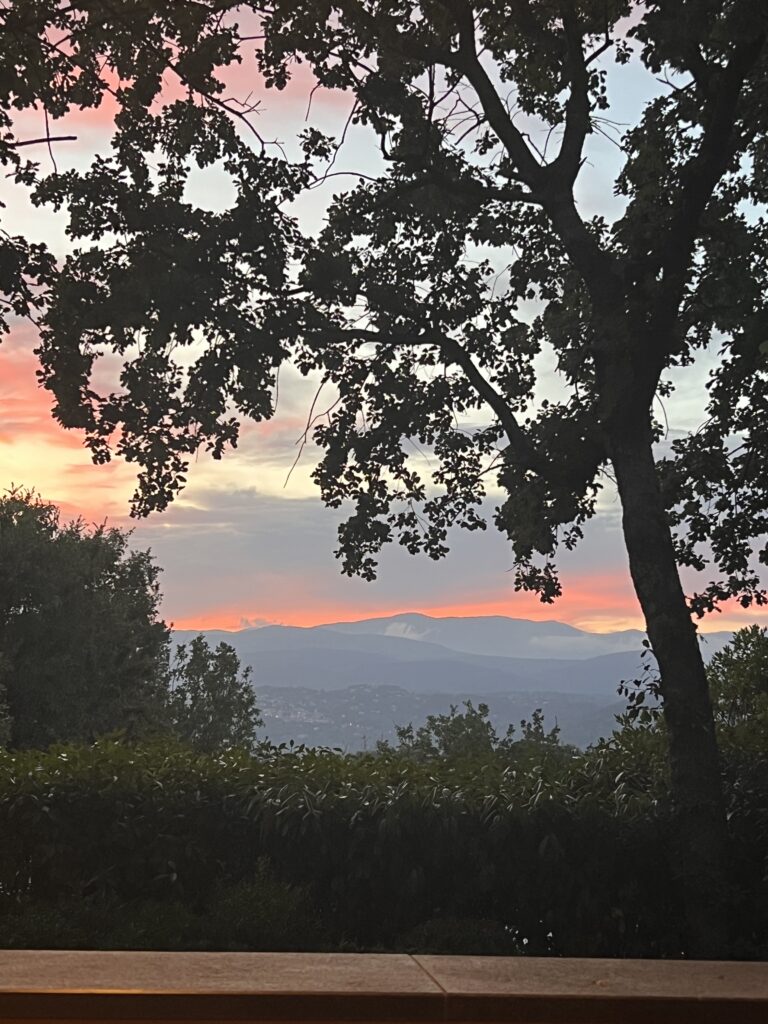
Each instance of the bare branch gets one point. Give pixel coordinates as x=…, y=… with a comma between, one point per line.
x=303, y=438
x=599, y=51
x=467, y=61
x=337, y=148
x=47, y=139
x=554, y=190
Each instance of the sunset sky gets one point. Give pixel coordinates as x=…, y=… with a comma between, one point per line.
x=240, y=546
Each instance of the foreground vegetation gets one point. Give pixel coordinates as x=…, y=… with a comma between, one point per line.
x=454, y=841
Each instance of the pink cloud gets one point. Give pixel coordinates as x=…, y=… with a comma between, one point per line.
x=37, y=452
x=25, y=407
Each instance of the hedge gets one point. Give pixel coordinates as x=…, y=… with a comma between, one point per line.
x=311, y=849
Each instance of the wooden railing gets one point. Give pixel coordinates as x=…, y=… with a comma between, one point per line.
x=43, y=986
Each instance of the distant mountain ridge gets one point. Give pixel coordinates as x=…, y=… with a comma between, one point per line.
x=456, y=655
x=498, y=635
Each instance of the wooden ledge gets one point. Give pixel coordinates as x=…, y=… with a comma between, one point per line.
x=52, y=986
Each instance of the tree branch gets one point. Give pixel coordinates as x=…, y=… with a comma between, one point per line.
x=699, y=69
x=554, y=190
x=566, y=165
x=525, y=452
x=466, y=60
x=45, y=139
x=469, y=188
x=606, y=45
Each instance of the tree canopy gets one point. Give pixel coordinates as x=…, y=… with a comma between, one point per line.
x=467, y=734
x=385, y=304
x=433, y=286
x=81, y=639
x=738, y=677
x=84, y=652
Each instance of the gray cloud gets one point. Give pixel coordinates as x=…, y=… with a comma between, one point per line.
x=260, y=556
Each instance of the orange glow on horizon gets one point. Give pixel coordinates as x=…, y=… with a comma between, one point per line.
x=600, y=602
x=592, y=616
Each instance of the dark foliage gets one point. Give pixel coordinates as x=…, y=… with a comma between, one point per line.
x=84, y=653
x=451, y=844
x=158, y=848
x=210, y=703
x=482, y=112
x=82, y=645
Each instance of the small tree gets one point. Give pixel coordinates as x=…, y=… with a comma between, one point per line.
x=459, y=734
x=533, y=735
x=469, y=734
x=211, y=703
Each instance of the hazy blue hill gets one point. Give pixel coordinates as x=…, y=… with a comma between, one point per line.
x=298, y=638
x=507, y=637
x=416, y=637
x=324, y=659
x=492, y=634
x=329, y=683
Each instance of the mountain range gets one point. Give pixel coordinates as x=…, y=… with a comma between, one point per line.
x=349, y=683
x=422, y=654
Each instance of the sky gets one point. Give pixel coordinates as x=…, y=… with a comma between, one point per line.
x=243, y=545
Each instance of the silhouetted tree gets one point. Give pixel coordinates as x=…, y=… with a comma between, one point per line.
x=470, y=734
x=738, y=676
x=459, y=734
x=81, y=643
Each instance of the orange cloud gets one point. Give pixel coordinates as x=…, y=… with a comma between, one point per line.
x=25, y=407
x=35, y=451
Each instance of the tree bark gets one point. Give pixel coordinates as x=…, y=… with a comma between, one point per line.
x=700, y=841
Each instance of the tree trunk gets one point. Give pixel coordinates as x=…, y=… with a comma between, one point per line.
x=700, y=840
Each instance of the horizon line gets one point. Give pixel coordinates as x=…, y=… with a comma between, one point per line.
x=191, y=624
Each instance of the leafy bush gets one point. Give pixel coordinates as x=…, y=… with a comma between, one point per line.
x=386, y=851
